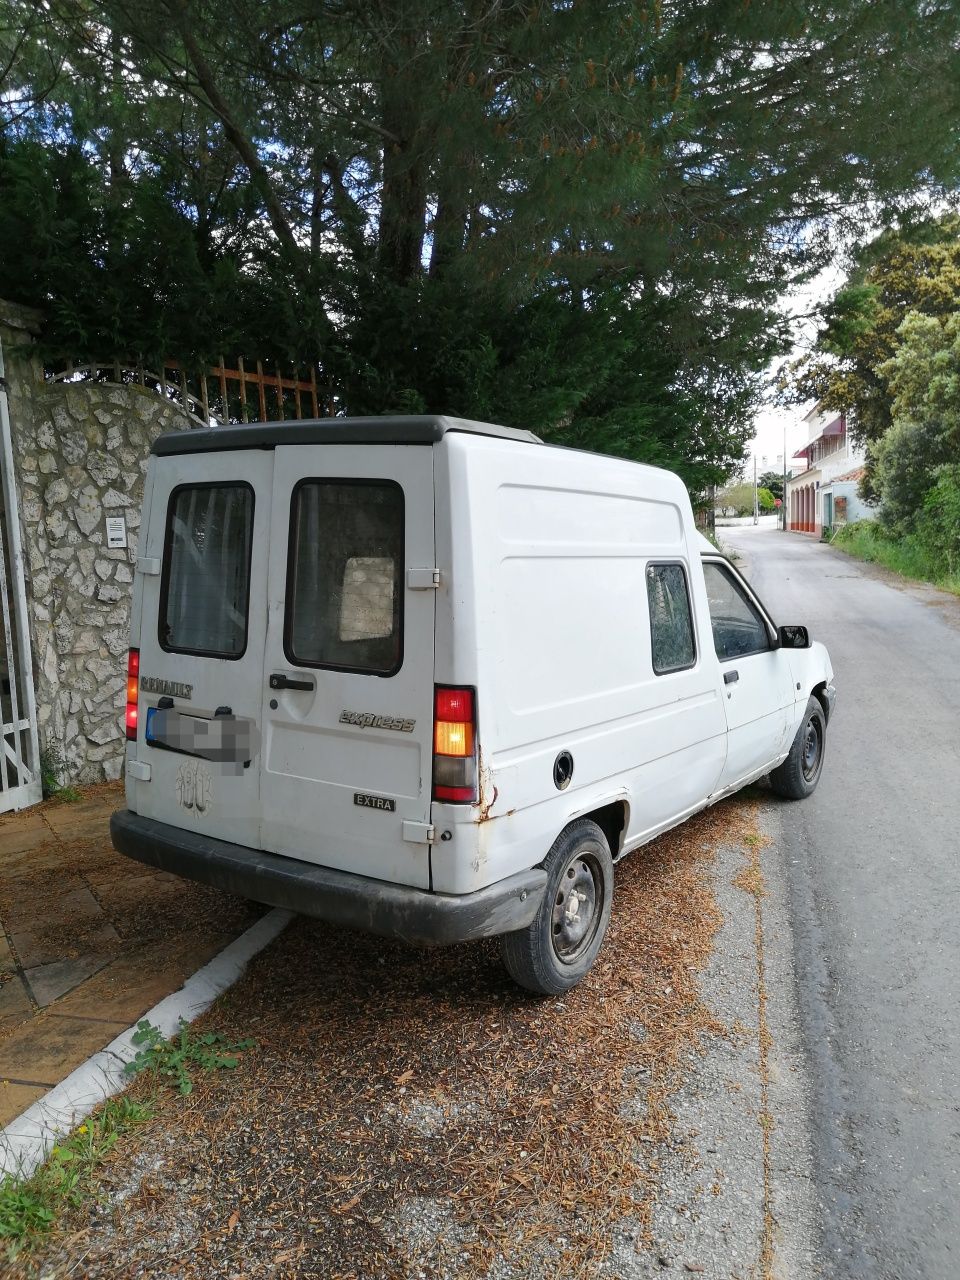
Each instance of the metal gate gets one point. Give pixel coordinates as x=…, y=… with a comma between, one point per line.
x=20, y=783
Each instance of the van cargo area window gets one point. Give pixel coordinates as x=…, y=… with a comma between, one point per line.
x=206, y=570
x=345, y=576
x=671, y=625
x=738, y=628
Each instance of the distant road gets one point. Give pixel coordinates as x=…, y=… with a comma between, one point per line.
x=873, y=861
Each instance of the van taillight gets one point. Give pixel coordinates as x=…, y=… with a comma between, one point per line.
x=454, y=745
x=133, y=692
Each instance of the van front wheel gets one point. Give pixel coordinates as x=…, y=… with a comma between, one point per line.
x=559, y=946
x=799, y=774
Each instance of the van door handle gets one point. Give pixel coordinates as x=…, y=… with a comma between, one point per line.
x=731, y=677
x=288, y=682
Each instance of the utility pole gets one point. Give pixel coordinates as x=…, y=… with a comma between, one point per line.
x=756, y=504
x=784, y=525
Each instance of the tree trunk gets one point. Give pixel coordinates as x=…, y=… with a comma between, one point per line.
x=450, y=224
x=403, y=200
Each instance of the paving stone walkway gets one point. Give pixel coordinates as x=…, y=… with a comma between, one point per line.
x=89, y=940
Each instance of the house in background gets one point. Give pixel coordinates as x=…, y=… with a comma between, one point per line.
x=824, y=492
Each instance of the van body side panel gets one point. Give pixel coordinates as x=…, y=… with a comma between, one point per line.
x=201, y=636
x=556, y=598
x=347, y=749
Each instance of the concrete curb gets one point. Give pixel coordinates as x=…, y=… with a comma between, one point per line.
x=25, y=1142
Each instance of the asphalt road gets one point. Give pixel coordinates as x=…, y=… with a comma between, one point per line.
x=873, y=868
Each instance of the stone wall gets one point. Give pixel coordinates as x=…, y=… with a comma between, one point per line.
x=80, y=451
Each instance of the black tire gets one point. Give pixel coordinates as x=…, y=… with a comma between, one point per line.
x=555, y=951
x=799, y=774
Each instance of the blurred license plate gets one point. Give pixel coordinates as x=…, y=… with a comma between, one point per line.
x=227, y=739
x=192, y=734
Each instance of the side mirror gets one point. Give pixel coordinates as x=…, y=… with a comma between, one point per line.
x=795, y=637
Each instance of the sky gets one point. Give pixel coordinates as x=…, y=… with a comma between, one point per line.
x=774, y=424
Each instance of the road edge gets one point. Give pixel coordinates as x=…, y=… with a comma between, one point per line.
x=794, y=1218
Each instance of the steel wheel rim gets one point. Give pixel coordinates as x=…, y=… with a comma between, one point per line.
x=577, y=908
x=812, y=747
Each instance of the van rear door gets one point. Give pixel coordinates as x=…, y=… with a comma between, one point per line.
x=348, y=678
x=203, y=620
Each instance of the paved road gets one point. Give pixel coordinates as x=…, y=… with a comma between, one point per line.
x=873, y=862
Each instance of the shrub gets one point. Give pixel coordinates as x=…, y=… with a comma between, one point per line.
x=938, y=522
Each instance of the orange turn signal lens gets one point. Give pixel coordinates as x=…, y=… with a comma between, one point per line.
x=452, y=738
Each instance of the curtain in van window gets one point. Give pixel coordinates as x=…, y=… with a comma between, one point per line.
x=345, y=594
x=209, y=538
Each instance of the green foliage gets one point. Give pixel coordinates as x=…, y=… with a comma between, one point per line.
x=905, y=465
x=739, y=498
x=575, y=218
x=765, y=500
x=923, y=376
x=914, y=271
x=907, y=555
x=890, y=353
x=51, y=767
x=30, y=1207
x=772, y=481
x=173, y=1059
x=938, y=523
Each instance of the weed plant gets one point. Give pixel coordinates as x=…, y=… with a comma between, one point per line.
x=172, y=1060
x=29, y=1207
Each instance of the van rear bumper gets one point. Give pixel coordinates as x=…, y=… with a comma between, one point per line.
x=359, y=902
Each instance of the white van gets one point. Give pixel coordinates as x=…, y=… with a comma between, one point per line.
x=431, y=678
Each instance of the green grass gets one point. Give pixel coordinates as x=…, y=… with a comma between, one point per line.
x=30, y=1207
x=866, y=541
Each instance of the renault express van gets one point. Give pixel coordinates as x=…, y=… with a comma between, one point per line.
x=431, y=678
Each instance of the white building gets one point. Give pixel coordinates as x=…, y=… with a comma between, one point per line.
x=824, y=492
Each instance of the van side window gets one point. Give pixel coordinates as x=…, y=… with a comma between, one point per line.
x=738, y=629
x=345, y=576
x=671, y=624
x=205, y=587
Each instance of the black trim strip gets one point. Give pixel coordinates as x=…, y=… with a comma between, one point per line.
x=270, y=435
x=342, y=897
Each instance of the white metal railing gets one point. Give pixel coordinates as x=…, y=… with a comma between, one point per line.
x=20, y=782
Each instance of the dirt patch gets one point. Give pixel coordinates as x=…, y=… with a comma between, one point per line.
x=411, y=1113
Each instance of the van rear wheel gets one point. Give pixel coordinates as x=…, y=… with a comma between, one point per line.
x=559, y=946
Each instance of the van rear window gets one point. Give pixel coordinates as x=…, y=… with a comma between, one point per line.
x=205, y=589
x=671, y=625
x=345, y=576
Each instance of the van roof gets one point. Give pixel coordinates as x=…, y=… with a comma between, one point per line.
x=426, y=429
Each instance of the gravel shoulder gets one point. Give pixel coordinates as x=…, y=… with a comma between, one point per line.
x=410, y=1113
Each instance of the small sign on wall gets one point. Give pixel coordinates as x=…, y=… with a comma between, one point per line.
x=116, y=531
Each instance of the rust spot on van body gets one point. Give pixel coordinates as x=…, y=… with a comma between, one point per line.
x=483, y=813
x=488, y=792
